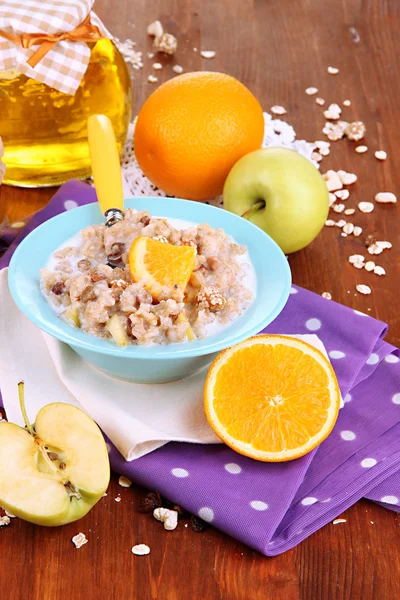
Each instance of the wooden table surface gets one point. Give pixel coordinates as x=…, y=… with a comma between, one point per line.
x=277, y=48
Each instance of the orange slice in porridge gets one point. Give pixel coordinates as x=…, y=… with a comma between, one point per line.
x=162, y=267
x=272, y=398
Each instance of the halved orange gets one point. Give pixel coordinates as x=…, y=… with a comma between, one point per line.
x=162, y=267
x=272, y=398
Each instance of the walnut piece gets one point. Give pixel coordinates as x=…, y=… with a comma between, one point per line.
x=209, y=297
x=355, y=131
x=166, y=43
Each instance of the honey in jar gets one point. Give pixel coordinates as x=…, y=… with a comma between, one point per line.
x=44, y=130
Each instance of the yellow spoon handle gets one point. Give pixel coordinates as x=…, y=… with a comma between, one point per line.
x=104, y=158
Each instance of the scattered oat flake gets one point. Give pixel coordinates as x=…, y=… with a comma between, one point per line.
x=363, y=289
x=331, y=114
x=150, y=54
x=79, y=540
x=320, y=101
x=386, y=198
x=335, y=131
x=343, y=234
x=117, y=499
x=348, y=228
x=311, y=91
x=374, y=249
x=278, y=110
x=4, y=521
x=333, y=70
x=361, y=149
x=9, y=514
x=342, y=194
x=332, y=198
x=322, y=144
x=346, y=103
x=366, y=207
x=208, y=53
x=380, y=155
x=338, y=208
x=341, y=223
x=124, y=482
x=369, y=265
x=140, y=550
x=357, y=230
x=356, y=258
x=325, y=151
x=347, y=178
x=166, y=516
x=358, y=265
x=131, y=56
x=329, y=223
x=316, y=156
x=337, y=521
x=177, y=69
x=152, y=79
x=157, y=66
x=104, y=495
x=333, y=181
x=349, y=211
x=379, y=270
x=384, y=245
x=326, y=295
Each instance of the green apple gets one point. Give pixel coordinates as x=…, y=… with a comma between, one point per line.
x=280, y=191
x=52, y=473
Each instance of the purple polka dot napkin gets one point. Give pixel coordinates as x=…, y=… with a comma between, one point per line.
x=272, y=507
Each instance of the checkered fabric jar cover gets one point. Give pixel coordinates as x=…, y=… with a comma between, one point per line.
x=65, y=63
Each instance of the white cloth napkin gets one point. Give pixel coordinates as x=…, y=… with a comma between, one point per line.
x=138, y=418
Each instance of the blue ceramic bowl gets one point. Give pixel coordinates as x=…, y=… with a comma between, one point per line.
x=150, y=364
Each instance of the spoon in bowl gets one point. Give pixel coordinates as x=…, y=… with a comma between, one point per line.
x=106, y=171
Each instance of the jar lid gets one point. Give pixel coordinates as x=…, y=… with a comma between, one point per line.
x=47, y=41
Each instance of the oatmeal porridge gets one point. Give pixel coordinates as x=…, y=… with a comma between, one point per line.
x=105, y=301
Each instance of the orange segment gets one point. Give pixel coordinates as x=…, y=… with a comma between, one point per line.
x=162, y=267
x=272, y=398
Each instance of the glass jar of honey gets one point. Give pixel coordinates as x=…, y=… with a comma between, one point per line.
x=44, y=130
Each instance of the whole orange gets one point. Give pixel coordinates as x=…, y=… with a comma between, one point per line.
x=193, y=129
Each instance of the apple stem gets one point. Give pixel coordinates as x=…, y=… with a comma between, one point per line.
x=254, y=208
x=23, y=409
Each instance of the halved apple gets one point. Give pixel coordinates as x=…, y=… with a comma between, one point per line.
x=52, y=473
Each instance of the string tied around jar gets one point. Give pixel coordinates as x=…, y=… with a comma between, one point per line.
x=85, y=32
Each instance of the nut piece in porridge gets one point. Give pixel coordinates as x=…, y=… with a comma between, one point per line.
x=170, y=285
